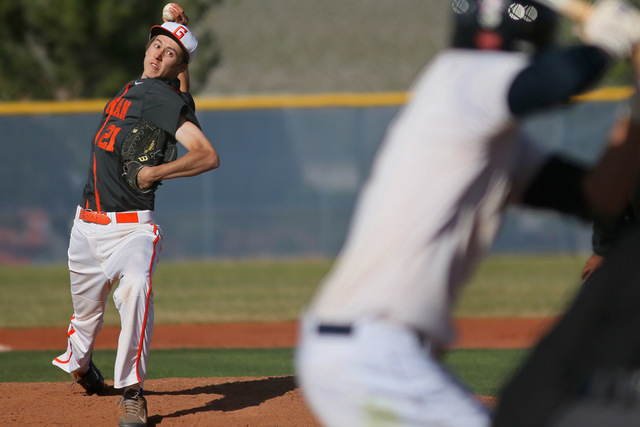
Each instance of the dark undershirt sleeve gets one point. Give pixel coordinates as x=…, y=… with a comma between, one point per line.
x=555, y=76
x=558, y=185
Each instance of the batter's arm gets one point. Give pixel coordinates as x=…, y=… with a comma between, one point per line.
x=201, y=157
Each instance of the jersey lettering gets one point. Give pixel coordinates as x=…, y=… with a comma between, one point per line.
x=107, y=139
x=118, y=108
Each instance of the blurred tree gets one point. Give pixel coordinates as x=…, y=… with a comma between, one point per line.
x=66, y=49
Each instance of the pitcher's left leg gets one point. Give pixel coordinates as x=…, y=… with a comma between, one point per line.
x=134, y=300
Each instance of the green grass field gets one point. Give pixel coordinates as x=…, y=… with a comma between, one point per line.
x=483, y=370
x=257, y=291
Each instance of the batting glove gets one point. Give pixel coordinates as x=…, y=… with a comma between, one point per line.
x=614, y=26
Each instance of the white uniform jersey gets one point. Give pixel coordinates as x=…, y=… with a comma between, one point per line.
x=434, y=201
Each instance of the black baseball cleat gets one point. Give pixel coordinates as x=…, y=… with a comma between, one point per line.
x=92, y=381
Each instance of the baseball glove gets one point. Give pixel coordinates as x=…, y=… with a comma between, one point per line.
x=145, y=145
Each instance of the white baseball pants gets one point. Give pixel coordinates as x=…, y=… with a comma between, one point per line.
x=99, y=256
x=379, y=374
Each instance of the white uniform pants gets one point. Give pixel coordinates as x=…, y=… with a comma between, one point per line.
x=380, y=374
x=100, y=255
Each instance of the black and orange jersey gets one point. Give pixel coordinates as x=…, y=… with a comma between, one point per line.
x=157, y=100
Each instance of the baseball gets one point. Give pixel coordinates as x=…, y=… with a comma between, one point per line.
x=167, y=13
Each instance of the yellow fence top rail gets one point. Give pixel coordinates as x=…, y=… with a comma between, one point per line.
x=270, y=102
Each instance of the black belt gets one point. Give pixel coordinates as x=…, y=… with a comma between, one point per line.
x=335, y=329
x=325, y=329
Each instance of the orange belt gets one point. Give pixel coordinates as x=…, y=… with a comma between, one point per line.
x=104, y=219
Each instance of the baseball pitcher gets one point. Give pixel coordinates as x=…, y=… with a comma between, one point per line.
x=115, y=238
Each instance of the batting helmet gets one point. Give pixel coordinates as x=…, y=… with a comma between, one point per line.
x=502, y=24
